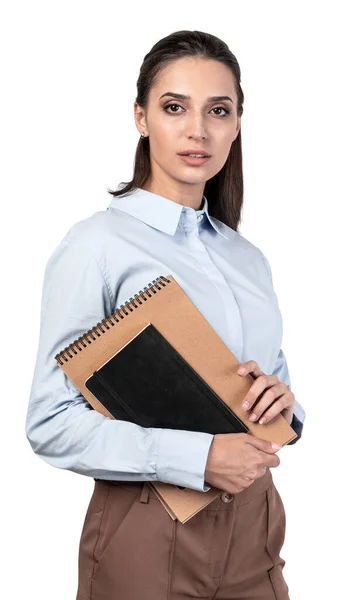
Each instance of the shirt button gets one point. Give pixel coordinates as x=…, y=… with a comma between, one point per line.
x=200, y=217
x=226, y=497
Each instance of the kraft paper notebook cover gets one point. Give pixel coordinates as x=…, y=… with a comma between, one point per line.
x=165, y=305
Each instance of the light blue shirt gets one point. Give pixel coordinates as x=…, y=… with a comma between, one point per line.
x=101, y=262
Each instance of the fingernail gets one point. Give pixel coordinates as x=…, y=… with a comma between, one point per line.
x=253, y=417
x=262, y=420
x=245, y=405
x=276, y=446
x=242, y=371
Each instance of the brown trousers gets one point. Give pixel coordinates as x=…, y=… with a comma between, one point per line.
x=131, y=549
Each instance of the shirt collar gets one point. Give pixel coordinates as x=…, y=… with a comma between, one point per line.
x=161, y=212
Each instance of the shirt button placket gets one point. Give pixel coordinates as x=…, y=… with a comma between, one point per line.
x=235, y=337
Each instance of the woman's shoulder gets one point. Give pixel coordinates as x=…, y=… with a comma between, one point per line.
x=91, y=232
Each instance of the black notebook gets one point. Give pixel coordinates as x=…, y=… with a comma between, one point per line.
x=149, y=383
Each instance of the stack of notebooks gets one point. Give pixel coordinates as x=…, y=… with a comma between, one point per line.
x=157, y=362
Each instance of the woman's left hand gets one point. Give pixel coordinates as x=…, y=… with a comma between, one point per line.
x=277, y=394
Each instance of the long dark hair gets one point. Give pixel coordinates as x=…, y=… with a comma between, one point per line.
x=224, y=191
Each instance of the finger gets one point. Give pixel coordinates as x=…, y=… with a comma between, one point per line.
x=267, y=460
x=272, y=402
x=262, y=445
x=259, y=385
x=249, y=480
x=261, y=472
x=277, y=407
x=250, y=367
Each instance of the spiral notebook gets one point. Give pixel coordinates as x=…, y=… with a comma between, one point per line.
x=163, y=313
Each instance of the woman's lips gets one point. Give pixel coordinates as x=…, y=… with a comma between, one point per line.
x=194, y=161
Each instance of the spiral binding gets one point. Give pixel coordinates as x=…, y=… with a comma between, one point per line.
x=104, y=325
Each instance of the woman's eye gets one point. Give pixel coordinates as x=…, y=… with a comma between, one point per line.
x=226, y=111
x=169, y=106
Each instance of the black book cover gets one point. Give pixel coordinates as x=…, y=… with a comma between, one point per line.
x=149, y=383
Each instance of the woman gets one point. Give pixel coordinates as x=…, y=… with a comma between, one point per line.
x=178, y=215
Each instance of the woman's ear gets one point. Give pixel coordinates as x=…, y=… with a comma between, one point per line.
x=140, y=119
x=238, y=125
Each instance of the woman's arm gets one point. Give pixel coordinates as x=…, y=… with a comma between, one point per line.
x=61, y=426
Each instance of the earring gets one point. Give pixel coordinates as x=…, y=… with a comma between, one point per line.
x=142, y=135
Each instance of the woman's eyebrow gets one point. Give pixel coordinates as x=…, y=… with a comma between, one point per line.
x=183, y=97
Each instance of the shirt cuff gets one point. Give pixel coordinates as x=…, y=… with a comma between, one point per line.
x=182, y=458
x=297, y=425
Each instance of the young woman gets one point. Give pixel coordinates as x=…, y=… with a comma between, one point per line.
x=179, y=215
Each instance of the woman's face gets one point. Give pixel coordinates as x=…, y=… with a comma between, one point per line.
x=176, y=124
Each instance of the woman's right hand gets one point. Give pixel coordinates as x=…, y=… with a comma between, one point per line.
x=235, y=460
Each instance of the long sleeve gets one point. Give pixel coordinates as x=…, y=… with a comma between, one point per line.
x=282, y=371
x=61, y=426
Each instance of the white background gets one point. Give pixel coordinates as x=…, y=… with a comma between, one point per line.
x=68, y=76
